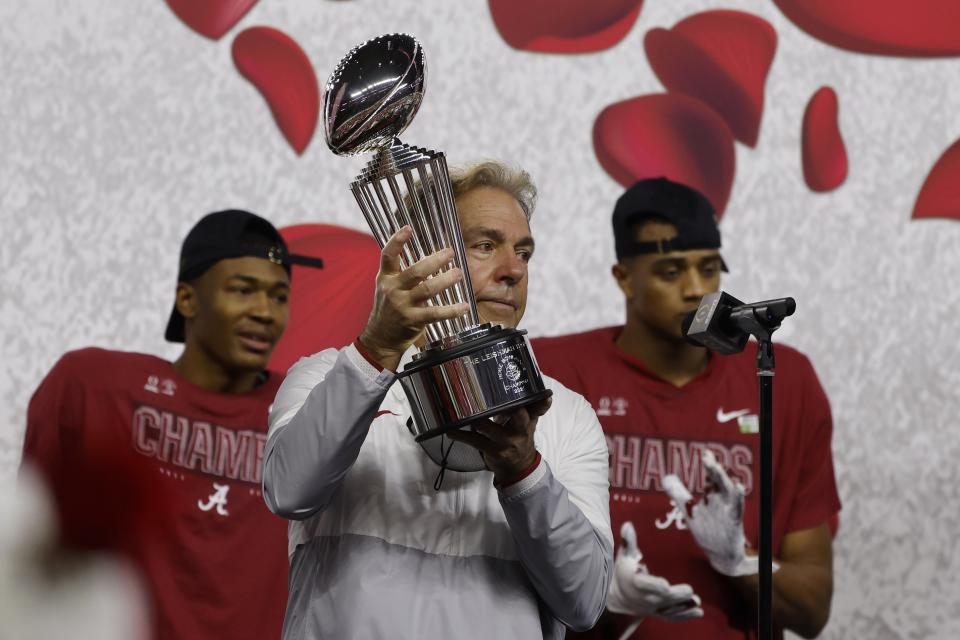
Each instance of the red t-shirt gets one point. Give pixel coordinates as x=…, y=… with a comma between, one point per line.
x=654, y=428
x=216, y=566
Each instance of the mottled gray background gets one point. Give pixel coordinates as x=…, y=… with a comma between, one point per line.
x=121, y=127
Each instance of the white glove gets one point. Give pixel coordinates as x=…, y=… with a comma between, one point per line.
x=635, y=592
x=716, y=522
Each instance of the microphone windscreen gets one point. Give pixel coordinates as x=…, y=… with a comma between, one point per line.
x=791, y=306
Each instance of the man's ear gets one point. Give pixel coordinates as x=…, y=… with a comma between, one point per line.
x=622, y=275
x=186, y=299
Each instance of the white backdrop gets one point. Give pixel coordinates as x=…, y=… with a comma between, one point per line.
x=121, y=127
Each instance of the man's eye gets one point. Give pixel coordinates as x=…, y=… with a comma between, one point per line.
x=282, y=298
x=710, y=269
x=484, y=246
x=525, y=255
x=240, y=290
x=670, y=274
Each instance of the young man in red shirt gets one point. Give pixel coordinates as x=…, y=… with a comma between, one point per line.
x=122, y=435
x=663, y=403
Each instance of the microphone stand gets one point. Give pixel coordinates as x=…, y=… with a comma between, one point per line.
x=762, y=330
x=724, y=324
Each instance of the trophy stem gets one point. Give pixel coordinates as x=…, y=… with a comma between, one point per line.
x=434, y=231
x=440, y=228
x=402, y=186
x=373, y=221
x=423, y=235
x=381, y=227
x=413, y=250
x=439, y=165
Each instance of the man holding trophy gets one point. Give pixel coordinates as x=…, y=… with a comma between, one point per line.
x=471, y=500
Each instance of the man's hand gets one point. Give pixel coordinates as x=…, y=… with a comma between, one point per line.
x=506, y=443
x=716, y=522
x=400, y=308
x=635, y=592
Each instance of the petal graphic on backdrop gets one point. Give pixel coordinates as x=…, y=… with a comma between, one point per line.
x=721, y=57
x=279, y=68
x=329, y=307
x=925, y=28
x=823, y=151
x=564, y=26
x=940, y=195
x=668, y=135
x=211, y=18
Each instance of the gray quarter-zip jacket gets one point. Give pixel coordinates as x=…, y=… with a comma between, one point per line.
x=376, y=552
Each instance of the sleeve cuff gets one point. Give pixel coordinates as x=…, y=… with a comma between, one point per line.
x=383, y=377
x=526, y=481
x=367, y=355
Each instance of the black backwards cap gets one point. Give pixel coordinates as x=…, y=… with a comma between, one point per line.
x=232, y=233
x=683, y=207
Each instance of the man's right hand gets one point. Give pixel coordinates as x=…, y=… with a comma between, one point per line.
x=634, y=591
x=400, y=306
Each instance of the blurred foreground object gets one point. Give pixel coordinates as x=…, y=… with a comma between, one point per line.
x=48, y=592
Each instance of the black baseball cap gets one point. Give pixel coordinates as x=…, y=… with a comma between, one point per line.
x=684, y=207
x=232, y=233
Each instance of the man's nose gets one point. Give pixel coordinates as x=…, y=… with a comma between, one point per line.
x=511, y=268
x=694, y=285
x=261, y=308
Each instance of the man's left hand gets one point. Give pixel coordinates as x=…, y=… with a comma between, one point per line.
x=506, y=443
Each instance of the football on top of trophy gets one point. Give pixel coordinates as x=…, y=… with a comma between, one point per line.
x=373, y=93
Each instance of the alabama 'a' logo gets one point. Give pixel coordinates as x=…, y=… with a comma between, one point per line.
x=218, y=500
x=674, y=517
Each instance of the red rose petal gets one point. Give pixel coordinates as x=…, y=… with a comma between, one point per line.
x=211, y=18
x=923, y=28
x=824, y=154
x=720, y=57
x=668, y=135
x=329, y=307
x=564, y=26
x=279, y=68
x=940, y=195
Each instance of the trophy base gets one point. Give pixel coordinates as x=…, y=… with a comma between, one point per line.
x=489, y=372
x=506, y=408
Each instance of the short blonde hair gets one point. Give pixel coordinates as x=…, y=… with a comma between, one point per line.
x=491, y=173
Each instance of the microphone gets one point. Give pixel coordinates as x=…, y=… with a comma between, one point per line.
x=724, y=324
x=769, y=313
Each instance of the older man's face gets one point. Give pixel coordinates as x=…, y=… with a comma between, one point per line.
x=499, y=246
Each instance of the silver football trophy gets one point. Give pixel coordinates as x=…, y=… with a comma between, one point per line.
x=468, y=370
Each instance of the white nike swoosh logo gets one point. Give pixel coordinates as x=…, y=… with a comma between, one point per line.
x=727, y=417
